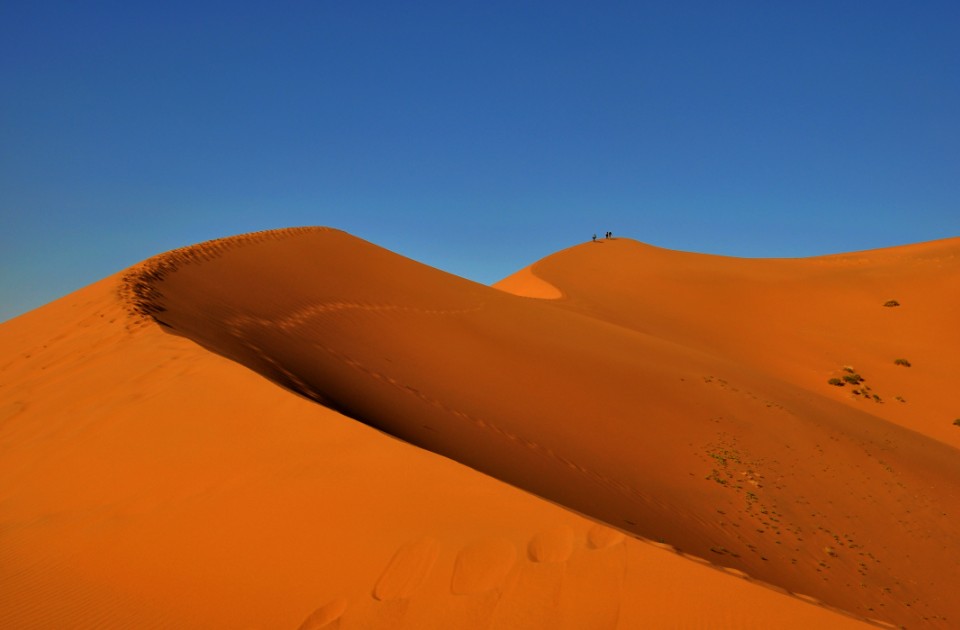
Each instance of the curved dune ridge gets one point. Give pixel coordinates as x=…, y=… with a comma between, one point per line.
x=678, y=398
x=526, y=283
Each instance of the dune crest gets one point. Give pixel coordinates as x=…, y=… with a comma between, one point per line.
x=526, y=283
x=656, y=397
x=644, y=428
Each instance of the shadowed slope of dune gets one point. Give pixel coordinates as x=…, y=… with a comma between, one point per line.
x=671, y=429
x=148, y=483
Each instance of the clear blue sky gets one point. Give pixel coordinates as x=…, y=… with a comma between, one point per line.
x=474, y=136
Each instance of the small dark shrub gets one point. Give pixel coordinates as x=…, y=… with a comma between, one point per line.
x=902, y=362
x=836, y=381
x=853, y=379
x=891, y=303
x=956, y=422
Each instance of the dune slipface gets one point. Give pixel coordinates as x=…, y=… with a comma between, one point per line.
x=676, y=397
x=653, y=430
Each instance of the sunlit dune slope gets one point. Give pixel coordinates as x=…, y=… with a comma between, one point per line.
x=802, y=320
x=660, y=430
x=148, y=483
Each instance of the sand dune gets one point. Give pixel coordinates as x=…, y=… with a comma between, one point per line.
x=799, y=319
x=672, y=409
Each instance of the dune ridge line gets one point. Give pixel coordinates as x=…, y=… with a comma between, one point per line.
x=730, y=443
x=138, y=287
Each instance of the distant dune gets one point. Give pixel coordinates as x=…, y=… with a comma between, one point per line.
x=619, y=436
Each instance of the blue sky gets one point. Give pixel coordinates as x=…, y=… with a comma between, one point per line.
x=473, y=136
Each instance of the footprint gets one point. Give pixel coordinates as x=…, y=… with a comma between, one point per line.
x=551, y=545
x=408, y=569
x=482, y=566
x=601, y=537
x=482, y=573
x=532, y=602
x=593, y=588
x=327, y=616
x=395, y=591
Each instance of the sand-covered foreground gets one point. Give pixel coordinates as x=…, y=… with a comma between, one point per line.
x=672, y=452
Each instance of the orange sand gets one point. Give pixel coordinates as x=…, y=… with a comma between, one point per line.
x=671, y=408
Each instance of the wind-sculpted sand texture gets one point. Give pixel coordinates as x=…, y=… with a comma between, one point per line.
x=149, y=482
